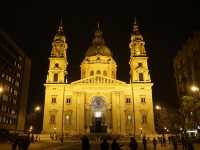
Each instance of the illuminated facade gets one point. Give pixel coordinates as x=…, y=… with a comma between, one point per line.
x=98, y=102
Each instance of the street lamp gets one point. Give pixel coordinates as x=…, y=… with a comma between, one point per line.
x=157, y=116
x=1, y=89
x=194, y=88
x=37, y=108
x=158, y=107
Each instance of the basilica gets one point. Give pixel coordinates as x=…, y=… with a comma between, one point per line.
x=98, y=102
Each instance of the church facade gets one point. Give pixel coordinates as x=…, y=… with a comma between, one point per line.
x=98, y=102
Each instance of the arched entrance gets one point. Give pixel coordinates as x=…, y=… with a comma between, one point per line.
x=98, y=114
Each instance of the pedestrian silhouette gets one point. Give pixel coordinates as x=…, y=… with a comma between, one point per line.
x=144, y=142
x=133, y=144
x=154, y=143
x=174, y=143
x=104, y=144
x=115, y=145
x=85, y=143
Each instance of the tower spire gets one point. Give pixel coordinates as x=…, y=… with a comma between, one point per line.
x=60, y=28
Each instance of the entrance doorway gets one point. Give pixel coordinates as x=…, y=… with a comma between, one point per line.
x=98, y=116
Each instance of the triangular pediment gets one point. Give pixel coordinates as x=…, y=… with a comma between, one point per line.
x=97, y=79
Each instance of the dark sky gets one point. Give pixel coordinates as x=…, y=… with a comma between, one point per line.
x=165, y=26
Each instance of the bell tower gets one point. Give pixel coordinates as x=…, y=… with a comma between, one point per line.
x=57, y=72
x=139, y=71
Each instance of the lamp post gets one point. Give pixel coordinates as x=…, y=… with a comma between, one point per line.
x=157, y=108
x=196, y=95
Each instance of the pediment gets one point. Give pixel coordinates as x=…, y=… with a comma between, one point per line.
x=97, y=79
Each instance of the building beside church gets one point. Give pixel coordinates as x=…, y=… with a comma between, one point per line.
x=98, y=102
x=186, y=66
x=15, y=71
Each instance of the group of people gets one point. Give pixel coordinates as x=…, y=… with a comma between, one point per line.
x=105, y=145
x=133, y=145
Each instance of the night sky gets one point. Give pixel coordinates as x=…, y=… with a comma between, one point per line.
x=164, y=26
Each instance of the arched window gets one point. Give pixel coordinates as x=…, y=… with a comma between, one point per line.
x=56, y=65
x=141, y=77
x=55, y=77
x=113, y=74
x=98, y=72
x=91, y=73
x=104, y=73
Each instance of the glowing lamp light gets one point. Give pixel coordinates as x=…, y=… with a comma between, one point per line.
x=157, y=107
x=67, y=117
x=194, y=88
x=31, y=128
x=1, y=89
x=98, y=114
x=37, y=108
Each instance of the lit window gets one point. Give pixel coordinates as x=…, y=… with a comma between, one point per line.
x=18, y=75
x=55, y=77
x=15, y=93
x=3, y=75
x=9, y=79
x=17, y=83
x=141, y=77
x=5, y=97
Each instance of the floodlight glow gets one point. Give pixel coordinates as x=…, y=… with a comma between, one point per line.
x=98, y=114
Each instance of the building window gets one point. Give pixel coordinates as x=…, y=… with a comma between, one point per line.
x=113, y=74
x=52, y=119
x=128, y=100
x=104, y=73
x=68, y=100
x=141, y=77
x=139, y=64
x=143, y=100
x=15, y=93
x=144, y=119
x=53, y=100
x=91, y=73
x=98, y=72
x=17, y=83
x=18, y=75
x=55, y=77
x=56, y=65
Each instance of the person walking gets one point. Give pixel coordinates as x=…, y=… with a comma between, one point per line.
x=104, y=145
x=154, y=143
x=115, y=145
x=144, y=142
x=85, y=143
x=174, y=142
x=133, y=144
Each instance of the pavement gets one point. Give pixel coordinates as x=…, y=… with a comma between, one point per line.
x=75, y=145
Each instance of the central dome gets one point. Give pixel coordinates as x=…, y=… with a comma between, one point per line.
x=98, y=46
